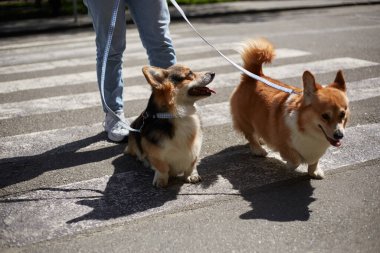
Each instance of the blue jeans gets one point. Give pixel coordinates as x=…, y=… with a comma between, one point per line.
x=152, y=19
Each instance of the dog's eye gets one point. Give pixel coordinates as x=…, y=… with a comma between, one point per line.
x=190, y=75
x=176, y=78
x=342, y=114
x=326, y=117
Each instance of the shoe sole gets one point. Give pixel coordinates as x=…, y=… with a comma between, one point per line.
x=116, y=138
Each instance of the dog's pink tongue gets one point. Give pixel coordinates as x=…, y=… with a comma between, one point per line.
x=335, y=143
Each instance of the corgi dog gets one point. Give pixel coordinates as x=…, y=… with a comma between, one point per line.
x=300, y=126
x=170, y=136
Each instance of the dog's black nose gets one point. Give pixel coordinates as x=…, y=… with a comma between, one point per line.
x=212, y=75
x=338, y=135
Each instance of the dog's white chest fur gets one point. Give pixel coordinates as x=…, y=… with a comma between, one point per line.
x=183, y=149
x=310, y=147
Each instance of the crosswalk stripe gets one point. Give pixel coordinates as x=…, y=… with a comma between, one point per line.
x=45, y=141
x=18, y=57
x=90, y=76
x=75, y=62
x=61, y=45
x=363, y=89
x=64, y=103
x=316, y=67
x=43, y=43
x=40, y=142
x=82, y=205
x=356, y=91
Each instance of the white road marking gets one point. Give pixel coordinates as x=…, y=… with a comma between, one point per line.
x=363, y=89
x=65, y=103
x=90, y=76
x=356, y=91
x=317, y=67
x=83, y=61
x=72, y=208
x=40, y=142
x=56, y=52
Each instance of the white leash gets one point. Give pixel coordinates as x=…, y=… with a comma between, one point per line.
x=103, y=74
x=167, y=115
x=104, y=66
x=256, y=77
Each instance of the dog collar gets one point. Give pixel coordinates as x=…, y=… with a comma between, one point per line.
x=159, y=115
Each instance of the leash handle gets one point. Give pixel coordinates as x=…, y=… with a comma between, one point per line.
x=248, y=73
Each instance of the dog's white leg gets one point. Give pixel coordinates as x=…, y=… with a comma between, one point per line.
x=192, y=176
x=255, y=146
x=291, y=166
x=161, y=175
x=315, y=172
x=160, y=179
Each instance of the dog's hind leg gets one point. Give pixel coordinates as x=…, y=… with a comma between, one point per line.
x=255, y=145
x=249, y=133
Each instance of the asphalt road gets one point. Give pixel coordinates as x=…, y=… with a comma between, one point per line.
x=64, y=188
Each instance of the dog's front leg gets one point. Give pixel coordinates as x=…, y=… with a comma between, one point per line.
x=315, y=172
x=191, y=175
x=161, y=175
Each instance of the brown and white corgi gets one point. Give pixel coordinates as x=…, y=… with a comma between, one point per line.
x=299, y=126
x=171, y=137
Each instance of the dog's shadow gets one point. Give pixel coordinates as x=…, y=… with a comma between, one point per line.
x=274, y=192
x=129, y=190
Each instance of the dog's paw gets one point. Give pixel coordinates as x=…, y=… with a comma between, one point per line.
x=317, y=174
x=193, y=179
x=160, y=180
x=259, y=152
x=291, y=166
x=145, y=163
x=261, y=141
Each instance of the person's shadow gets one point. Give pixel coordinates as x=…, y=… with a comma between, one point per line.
x=21, y=169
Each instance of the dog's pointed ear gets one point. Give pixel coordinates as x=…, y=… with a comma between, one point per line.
x=155, y=76
x=339, y=82
x=309, y=87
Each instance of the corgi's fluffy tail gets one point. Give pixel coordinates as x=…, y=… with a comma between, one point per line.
x=255, y=53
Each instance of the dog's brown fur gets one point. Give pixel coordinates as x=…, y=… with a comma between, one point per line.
x=299, y=126
x=171, y=146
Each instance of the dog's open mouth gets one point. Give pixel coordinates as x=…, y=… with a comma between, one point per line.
x=335, y=143
x=200, y=91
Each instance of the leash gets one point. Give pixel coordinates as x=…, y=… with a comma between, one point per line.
x=145, y=114
x=167, y=115
x=248, y=73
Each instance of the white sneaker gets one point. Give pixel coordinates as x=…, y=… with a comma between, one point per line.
x=115, y=128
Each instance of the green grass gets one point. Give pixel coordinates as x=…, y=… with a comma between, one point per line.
x=202, y=1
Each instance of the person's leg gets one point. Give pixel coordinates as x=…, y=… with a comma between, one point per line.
x=101, y=14
x=152, y=19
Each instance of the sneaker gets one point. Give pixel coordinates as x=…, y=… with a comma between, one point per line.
x=115, y=128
